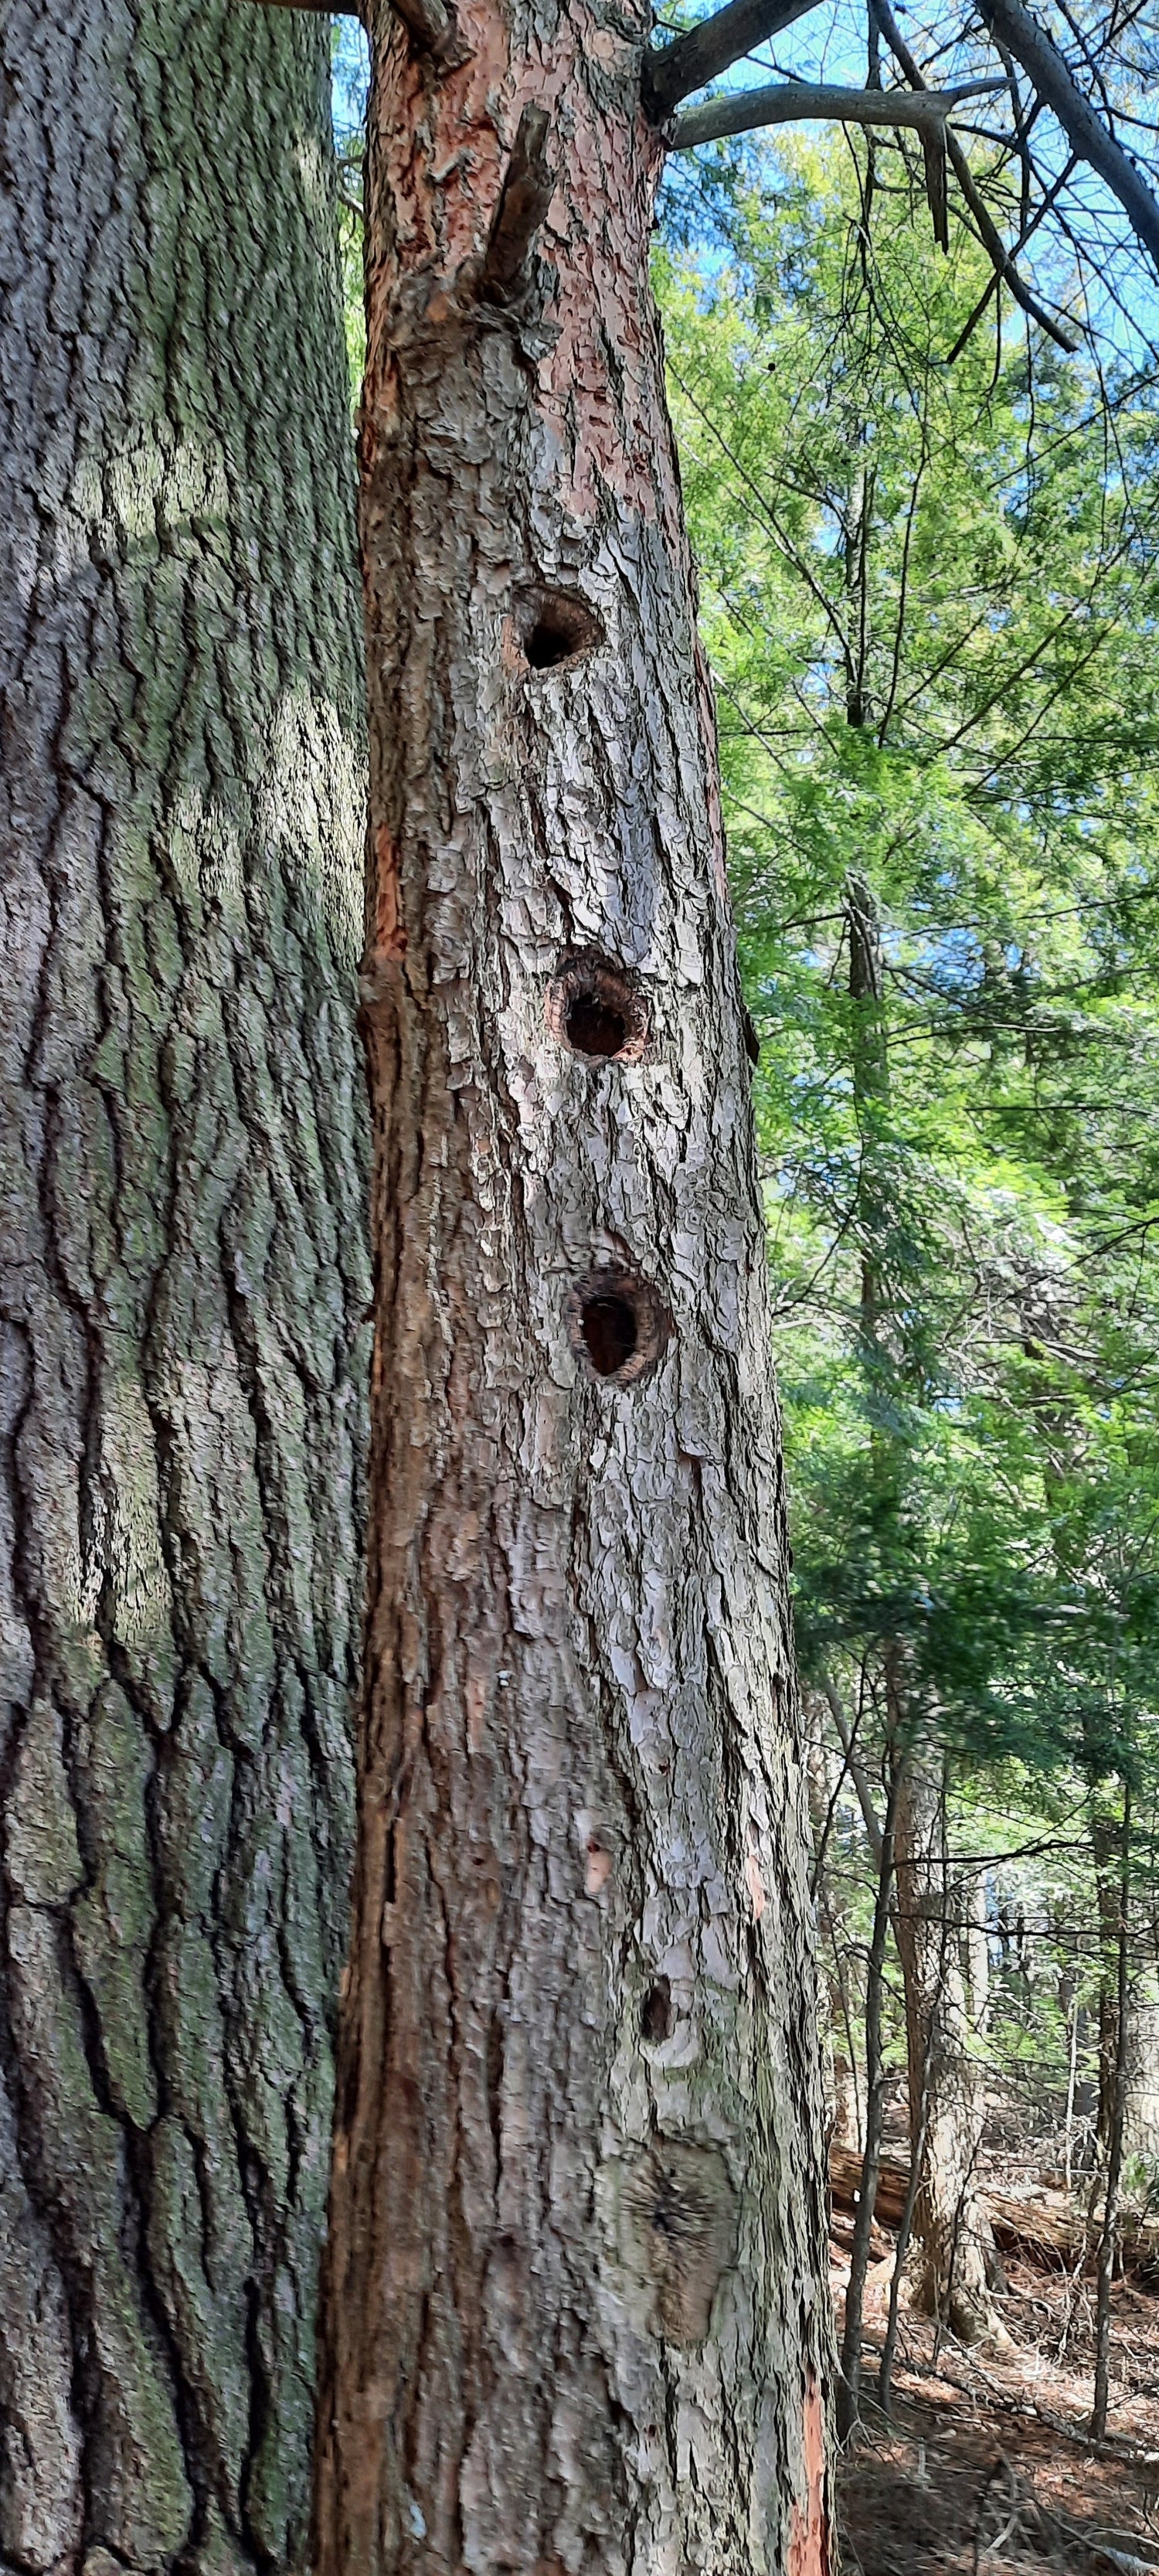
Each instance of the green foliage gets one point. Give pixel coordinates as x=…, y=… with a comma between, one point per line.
x=930, y=593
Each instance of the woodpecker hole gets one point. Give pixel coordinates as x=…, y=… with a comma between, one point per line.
x=609, y=1331
x=617, y=1325
x=595, y=1009
x=554, y=626
x=656, y=2011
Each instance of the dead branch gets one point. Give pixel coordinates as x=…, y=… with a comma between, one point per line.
x=787, y=102
x=1012, y=25
x=988, y=229
x=694, y=59
x=523, y=202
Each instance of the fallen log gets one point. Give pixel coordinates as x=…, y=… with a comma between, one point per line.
x=1046, y=2234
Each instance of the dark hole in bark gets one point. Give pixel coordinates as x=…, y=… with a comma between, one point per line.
x=609, y=1330
x=617, y=1325
x=553, y=626
x=595, y=1008
x=656, y=2011
x=593, y=1027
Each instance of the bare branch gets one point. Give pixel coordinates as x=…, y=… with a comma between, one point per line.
x=786, y=102
x=937, y=199
x=983, y=218
x=1012, y=25
x=698, y=57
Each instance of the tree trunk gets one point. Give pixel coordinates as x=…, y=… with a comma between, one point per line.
x=1115, y=2131
x=575, y=2315
x=184, y=1274
x=839, y=2081
x=1141, y=2079
x=849, y=2386
x=1128, y=2057
x=953, y=2231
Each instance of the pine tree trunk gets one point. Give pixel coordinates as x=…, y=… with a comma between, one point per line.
x=575, y=2316
x=184, y=1275
x=950, y=2223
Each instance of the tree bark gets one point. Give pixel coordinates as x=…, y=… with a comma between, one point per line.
x=574, y=2315
x=951, y=2225
x=184, y=1278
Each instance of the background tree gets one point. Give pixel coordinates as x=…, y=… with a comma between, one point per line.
x=185, y=1278
x=939, y=829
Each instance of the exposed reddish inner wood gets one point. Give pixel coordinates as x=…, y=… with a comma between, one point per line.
x=809, y=2548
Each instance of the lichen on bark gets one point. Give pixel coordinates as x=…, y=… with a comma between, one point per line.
x=184, y=1275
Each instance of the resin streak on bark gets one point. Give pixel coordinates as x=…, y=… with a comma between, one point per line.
x=182, y=1460
x=572, y=2309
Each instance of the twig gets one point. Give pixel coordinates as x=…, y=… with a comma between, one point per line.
x=1040, y=58
x=988, y=229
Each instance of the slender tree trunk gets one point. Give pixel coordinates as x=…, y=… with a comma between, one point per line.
x=1141, y=2104
x=905, y=2231
x=575, y=2314
x=1116, y=2110
x=951, y=2226
x=184, y=1275
x=849, y=2390
x=840, y=2088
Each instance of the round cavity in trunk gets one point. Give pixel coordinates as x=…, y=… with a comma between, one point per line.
x=595, y=1009
x=617, y=1325
x=554, y=626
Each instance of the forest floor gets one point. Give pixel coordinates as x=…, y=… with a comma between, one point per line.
x=986, y=2466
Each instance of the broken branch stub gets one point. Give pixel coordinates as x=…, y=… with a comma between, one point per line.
x=523, y=202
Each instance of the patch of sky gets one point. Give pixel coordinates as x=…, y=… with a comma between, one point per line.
x=349, y=79
x=1111, y=287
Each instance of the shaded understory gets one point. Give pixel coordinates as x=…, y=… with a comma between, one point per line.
x=985, y=2464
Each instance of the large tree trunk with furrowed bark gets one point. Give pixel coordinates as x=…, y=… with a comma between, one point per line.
x=184, y=1281
x=575, y=2316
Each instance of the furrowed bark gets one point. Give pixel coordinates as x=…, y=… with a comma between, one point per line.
x=181, y=1472
x=574, y=2314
